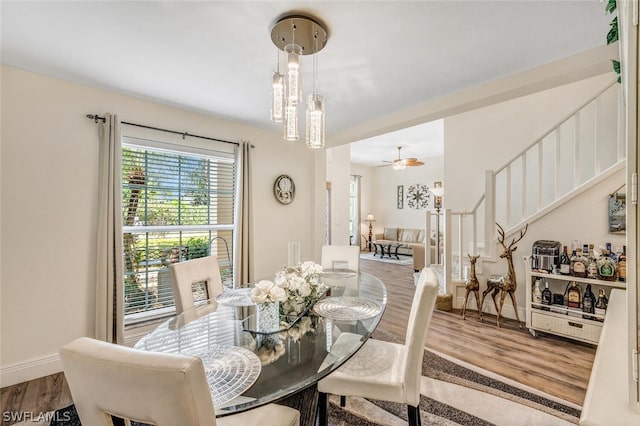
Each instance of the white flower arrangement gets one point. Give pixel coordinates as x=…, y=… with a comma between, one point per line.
x=301, y=284
x=266, y=291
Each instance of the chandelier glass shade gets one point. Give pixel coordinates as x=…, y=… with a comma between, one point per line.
x=297, y=36
x=277, y=98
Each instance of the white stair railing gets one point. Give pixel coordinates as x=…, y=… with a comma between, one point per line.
x=580, y=150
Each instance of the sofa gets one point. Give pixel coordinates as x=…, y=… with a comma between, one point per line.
x=412, y=240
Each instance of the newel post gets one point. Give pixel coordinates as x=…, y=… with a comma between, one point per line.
x=489, y=212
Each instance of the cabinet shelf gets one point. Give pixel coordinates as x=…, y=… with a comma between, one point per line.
x=612, y=284
x=560, y=319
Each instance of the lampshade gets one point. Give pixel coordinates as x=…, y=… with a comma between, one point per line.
x=370, y=218
x=293, y=74
x=438, y=192
x=277, y=97
x=291, y=132
x=315, y=121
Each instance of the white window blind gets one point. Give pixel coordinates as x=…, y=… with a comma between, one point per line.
x=177, y=205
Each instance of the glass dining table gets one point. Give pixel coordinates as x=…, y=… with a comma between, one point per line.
x=247, y=368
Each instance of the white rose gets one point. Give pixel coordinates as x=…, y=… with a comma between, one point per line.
x=278, y=294
x=281, y=281
x=304, y=289
x=258, y=295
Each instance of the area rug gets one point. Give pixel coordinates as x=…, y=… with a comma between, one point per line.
x=361, y=412
x=404, y=260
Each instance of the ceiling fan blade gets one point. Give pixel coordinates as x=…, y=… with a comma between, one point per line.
x=414, y=163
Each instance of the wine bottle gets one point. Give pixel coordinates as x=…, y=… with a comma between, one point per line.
x=565, y=262
x=588, y=303
x=622, y=265
x=546, y=295
x=601, y=305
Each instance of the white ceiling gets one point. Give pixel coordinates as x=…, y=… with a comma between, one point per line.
x=217, y=57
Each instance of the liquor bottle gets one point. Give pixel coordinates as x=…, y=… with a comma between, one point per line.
x=574, y=295
x=578, y=264
x=536, y=296
x=546, y=295
x=606, y=267
x=622, y=265
x=592, y=263
x=588, y=303
x=565, y=262
x=601, y=305
x=572, y=259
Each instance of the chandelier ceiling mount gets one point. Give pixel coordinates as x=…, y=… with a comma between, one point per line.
x=300, y=30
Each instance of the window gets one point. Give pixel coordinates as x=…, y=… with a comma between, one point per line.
x=177, y=204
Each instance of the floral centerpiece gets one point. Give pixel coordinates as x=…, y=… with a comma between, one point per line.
x=302, y=286
x=268, y=296
x=291, y=293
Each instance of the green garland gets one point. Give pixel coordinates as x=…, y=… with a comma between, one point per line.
x=612, y=35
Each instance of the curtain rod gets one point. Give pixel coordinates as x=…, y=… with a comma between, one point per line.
x=96, y=117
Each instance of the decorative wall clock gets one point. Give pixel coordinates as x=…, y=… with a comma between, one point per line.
x=418, y=196
x=284, y=189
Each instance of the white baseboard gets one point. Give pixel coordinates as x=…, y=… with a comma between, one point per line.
x=34, y=368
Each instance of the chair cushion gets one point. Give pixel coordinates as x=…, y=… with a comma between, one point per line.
x=268, y=415
x=375, y=371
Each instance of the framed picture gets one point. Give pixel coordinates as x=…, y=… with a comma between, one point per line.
x=617, y=219
x=400, y=196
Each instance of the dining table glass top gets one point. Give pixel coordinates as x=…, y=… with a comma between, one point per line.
x=246, y=368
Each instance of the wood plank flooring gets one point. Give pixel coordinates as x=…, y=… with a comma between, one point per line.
x=560, y=367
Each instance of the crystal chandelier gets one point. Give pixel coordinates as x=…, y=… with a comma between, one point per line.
x=298, y=35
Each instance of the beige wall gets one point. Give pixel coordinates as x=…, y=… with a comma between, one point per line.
x=49, y=187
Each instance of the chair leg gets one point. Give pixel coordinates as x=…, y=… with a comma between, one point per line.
x=323, y=406
x=414, y=415
x=343, y=401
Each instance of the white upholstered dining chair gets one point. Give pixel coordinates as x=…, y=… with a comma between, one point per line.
x=108, y=380
x=185, y=274
x=336, y=256
x=388, y=371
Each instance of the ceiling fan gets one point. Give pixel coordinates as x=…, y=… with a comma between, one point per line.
x=400, y=163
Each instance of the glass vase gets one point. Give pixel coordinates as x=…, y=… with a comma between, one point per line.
x=268, y=317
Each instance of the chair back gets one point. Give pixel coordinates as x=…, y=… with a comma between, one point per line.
x=424, y=301
x=335, y=256
x=185, y=274
x=157, y=388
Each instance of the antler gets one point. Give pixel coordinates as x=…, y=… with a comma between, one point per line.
x=501, y=235
x=522, y=232
x=514, y=241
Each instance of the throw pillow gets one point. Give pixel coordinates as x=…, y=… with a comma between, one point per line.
x=390, y=234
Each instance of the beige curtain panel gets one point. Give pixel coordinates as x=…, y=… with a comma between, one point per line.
x=109, y=261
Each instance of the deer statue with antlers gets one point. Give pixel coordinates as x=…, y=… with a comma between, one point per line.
x=504, y=284
x=473, y=286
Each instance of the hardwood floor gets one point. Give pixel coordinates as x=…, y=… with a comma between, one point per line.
x=554, y=365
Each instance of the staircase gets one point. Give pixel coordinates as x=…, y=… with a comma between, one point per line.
x=579, y=151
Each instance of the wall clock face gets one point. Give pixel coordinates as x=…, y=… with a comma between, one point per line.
x=284, y=189
x=418, y=196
